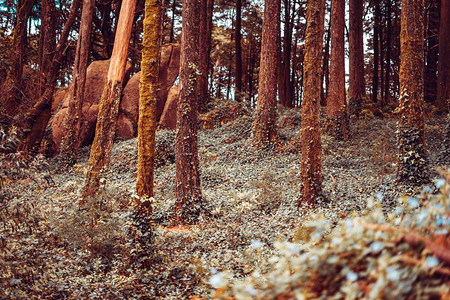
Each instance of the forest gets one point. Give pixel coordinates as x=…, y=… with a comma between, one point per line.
x=224, y=149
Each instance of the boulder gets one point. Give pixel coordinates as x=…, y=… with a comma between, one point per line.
x=168, y=118
x=129, y=106
x=58, y=98
x=95, y=82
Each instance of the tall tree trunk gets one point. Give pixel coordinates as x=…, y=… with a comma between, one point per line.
x=172, y=24
x=325, y=78
x=47, y=39
x=338, y=123
x=188, y=192
x=148, y=98
x=204, y=52
x=376, y=50
x=264, y=130
x=70, y=142
x=443, y=84
x=387, y=83
x=37, y=118
x=431, y=49
x=13, y=86
x=287, y=45
x=357, y=88
x=311, y=147
x=109, y=103
x=411, y=139
x=238, y=50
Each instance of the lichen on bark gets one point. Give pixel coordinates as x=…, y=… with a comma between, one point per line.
x=148, y=97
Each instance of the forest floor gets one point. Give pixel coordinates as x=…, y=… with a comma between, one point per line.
x=370, y=238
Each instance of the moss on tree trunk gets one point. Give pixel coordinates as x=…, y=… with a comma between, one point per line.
x=148, y=96
x=189, y=203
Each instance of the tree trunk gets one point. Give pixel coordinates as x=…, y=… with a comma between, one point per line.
x=204, y=52
x=172, y=24
x=376, y=51
x=357, y=88
x=188, y=192
x=47, y=39
x=311, y=148
x=37, y=118
x=325, y=78
x=411, y=139
x=338, y=123
x=238, y=54
x=443, y=84
x=286, y=57
x=109, y=103
x=387, y=93
x=13, y=86
x=431, y=50
x=148, y=98
x=70, y=142
x=264, y=124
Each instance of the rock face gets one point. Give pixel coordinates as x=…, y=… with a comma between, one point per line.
x=168, y=118
x=95, y=82
x=129, y=106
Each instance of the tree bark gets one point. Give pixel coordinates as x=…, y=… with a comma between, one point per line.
x=411, y=132
x=188, y=192
x=443, y=84
x=238, y=54
x=37, y=118
x=325, y=78
x=357, y=88
x=264, y=131
x=376, y=50
x=338, y=123
x=311, y=148
x=109, y=103
x=12, y=87
x=148, y=91
x=204, y=52
x=431, y=49
x=387, y=93
x=70, y=142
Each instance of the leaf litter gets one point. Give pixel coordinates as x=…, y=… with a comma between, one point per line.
x=372, y=238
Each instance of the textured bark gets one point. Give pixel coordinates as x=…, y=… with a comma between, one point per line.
x=238, y=52
x=172, y=24
x=36, y=119
x=109, y=103
x=387, y=83
x=357, y=89
x=412, y=160
x=325, y=78
x=189, y=199
x=47, y=39
x=204, y=52
x=443, y=85
x=264, y=124
x=285, y=88
x=70, y=142
x=13, y=86
x=311, y=148
x=148, y=92
x=376, y=50
x=337, y=118
x=431, y=50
